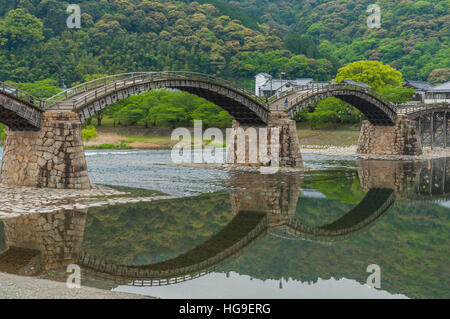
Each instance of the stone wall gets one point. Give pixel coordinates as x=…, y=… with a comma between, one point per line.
x=399, y=139
x=53, y=157
x=257, y=149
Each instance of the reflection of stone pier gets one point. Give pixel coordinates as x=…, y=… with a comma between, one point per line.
x=275, y=195
x=45, y=241
x=410, y=180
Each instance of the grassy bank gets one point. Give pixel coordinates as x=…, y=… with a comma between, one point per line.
x=114, y=138
x=346, y=135
x=111, y=138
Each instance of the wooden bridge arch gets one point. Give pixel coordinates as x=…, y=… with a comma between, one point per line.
x=91, y=97
x=377, y=110
x=19, y=110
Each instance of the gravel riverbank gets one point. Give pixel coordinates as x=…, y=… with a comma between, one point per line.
x=18, y=287
x=340, y=151
x=15, y=201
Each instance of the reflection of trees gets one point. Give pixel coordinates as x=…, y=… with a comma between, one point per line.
x=240, y=232
x=144, y=233
x=376, y=202
x=410, y=243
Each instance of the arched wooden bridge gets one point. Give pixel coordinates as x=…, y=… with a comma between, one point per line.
x=91, y=97
x=20, y=110
x=377, y=110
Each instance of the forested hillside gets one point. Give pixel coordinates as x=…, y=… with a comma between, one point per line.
x=413, y=38
x=232, y=39
x=123, y=36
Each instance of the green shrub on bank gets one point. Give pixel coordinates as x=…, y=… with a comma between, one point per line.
x=89, y=132
x=121, y=146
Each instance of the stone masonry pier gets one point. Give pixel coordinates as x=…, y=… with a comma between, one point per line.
x=52, y=157
x=399, y=139
x=248, y=145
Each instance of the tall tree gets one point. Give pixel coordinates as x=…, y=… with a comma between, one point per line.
x=373, y=73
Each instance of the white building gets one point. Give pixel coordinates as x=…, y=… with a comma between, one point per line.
x=266, y=85
x=438, y=94
x=260, y=80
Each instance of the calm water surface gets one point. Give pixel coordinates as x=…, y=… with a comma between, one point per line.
x=246, y=235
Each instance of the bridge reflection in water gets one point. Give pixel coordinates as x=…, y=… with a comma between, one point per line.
x=260, y=204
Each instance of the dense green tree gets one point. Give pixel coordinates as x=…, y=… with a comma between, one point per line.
x=42, y=89
x=209, y=115
x=331, y=110
x=127, y=36
x=413, y=38
x=301, y=44
x=20, y=27
x=164, y=107
x=438, y=76
x=397, y=95
x=373, y=73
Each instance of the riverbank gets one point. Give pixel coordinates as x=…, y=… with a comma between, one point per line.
x=16, y=201
x=20, y=287
x=346, y=151
x=160, y=138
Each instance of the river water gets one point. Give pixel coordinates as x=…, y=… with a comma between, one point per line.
x=314, y=234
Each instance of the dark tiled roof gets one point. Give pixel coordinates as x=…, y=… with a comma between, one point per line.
x=445, y=87
x=421, y=85
x=364, y=85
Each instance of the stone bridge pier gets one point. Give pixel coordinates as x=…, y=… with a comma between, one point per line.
x=249, y=145
x=52, y=157
x=399, y=139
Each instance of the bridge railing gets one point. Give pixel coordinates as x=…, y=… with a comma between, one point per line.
x=101, y=85
x=407, y=108
x=21, y=95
